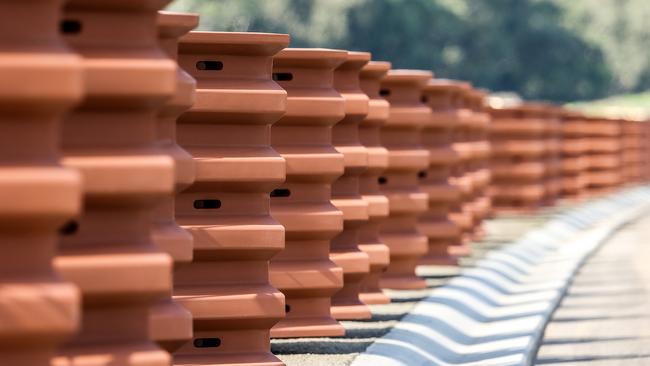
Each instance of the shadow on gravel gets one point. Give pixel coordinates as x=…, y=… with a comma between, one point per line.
x=324, y=346
x=559, y=341
x=413, y=300
x=368, y=332
x=383, y=317
x=593, y=318
x=556, y=360
x=602, y=293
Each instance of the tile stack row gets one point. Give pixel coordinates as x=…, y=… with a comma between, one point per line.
x=170, y=196
x=541, y=152
x=178, y=195
x=521, y=156
x=633, y=154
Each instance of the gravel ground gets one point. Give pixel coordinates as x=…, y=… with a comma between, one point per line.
x=605, y=318
x=340, y=351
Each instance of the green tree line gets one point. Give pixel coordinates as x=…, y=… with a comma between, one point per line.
x=557, y=50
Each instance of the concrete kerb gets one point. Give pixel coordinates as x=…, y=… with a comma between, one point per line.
x=495, y=313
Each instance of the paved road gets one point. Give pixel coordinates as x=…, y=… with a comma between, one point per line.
x=605, y=318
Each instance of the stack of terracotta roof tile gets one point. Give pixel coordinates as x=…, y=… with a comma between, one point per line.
x=462, y=213
x=574, y=160
x=604, y=154
x=479, y=170
x=441, y=231
x=632, y=151
x=553, y=116
x=518, y=163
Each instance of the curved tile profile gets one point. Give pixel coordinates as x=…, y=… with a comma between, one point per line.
x=603, y=172
x=478, y=163
x=41, y=81
x=110, y=139
x=633, y=141
x=170, y=324
x=406, y=157
x=574, y=160
x=519, y=152
x=369, y=135
x=461, y=211
x=303, y=271
x=495, y=313
x=227, y=209
x=553, y=138
x=437, y=137
x=346, y=196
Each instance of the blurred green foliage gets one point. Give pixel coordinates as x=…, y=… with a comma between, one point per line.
x=558, y=50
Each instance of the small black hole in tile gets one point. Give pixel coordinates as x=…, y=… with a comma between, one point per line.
x=287, y=308
x=209, y=65
x=282, y=76
x=384, y=92
x=70, y=227
x=382, y=180
x=207, y=342
x=70, y=26
x=422, y=174
x=207, y=204
x=281, y=192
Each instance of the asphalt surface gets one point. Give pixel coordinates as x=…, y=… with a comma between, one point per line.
x=604, y=320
